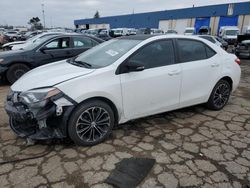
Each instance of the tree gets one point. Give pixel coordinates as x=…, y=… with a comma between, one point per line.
x=35, y=23
x=97, y=15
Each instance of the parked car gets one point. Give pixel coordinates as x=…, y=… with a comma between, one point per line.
x=118, y=32
x=216, y=40
x=156, y=31
x=119, y=80
x=93, y=32
x=189, y=31
x=132, y=31
x=143, y=31
x=11, y=35
x=30, y=34
x=149, y=31
x=229, y=34
x=13, y=64
x=171, y=31
x=243, y=49
x=17, y=45
x=104, y=35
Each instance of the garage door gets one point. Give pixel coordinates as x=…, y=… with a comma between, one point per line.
x=228, y=21
x=163, y=24
x=199, y=22
x=181, y=25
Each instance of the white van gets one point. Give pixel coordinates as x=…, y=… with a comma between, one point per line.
x=120, y=32
x=229, y=33
x=189, y=31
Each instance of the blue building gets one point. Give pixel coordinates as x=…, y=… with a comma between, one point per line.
x=215, y=16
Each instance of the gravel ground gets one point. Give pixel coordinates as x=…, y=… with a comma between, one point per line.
x=193, y=147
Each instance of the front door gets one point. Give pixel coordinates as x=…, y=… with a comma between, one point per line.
x=56, y=50
x=156, y=88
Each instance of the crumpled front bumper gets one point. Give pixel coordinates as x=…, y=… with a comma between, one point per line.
x=38, y=124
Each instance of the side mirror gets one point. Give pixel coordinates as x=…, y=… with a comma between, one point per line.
x=131, y=66
x=43, y=50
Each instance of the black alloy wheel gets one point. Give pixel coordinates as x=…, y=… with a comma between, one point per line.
x=91, y=123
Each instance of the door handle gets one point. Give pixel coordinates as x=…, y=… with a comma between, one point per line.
x=174, y=72
x=215, y=65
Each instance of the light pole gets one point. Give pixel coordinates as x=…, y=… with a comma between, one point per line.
x=43, y=16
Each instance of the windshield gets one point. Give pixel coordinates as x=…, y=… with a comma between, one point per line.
x=232, y=32
x=106, y=53
x=117, y=31
x=33, y=44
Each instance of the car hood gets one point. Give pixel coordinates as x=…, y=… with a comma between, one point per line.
x=19, y=46
x=10, y=53
x=13, y=43
x=49, y=75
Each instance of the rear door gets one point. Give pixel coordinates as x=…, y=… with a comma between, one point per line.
x=201, y=68
x=81, y=44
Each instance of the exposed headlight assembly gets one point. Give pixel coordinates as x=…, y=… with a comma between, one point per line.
x=38, y=98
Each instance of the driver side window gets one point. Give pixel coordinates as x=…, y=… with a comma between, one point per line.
x=156, y=54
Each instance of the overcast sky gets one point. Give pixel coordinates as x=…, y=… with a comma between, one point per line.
x=63, y=12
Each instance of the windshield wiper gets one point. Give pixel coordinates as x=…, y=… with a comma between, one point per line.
x=82, y=63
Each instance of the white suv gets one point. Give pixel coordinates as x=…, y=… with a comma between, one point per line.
x=117, y=81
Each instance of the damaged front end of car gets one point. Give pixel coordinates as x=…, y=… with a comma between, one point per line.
x=39, y=114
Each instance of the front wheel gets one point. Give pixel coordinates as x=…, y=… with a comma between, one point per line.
x=91, y=123
x=16, y=71
x=219, y=96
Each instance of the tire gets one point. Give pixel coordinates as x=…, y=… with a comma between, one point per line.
x=219, y=96
x=16, y=71
x=83, y=126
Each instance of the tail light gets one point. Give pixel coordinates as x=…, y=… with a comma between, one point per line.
x=237, y=61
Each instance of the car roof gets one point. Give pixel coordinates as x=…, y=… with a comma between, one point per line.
x=136, y=37
x=76, y=35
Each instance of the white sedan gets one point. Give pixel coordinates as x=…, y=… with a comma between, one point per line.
x=117, y=81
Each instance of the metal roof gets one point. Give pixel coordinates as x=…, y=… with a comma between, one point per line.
x=151, y=19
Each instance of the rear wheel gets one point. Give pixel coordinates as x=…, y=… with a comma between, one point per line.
x=16, y=71
x=91, y=123
x=219, y=96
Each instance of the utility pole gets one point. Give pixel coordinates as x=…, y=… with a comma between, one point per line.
x=43, y=16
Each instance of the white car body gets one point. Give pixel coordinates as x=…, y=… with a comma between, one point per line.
x=138, y=94
x=22, y=44
x=13, y=43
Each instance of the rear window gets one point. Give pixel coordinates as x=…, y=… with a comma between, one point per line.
x=192, y=50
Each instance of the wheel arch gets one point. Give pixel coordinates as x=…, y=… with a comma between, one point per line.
x=228, y=79
x=106, y=100
x=20, y=62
